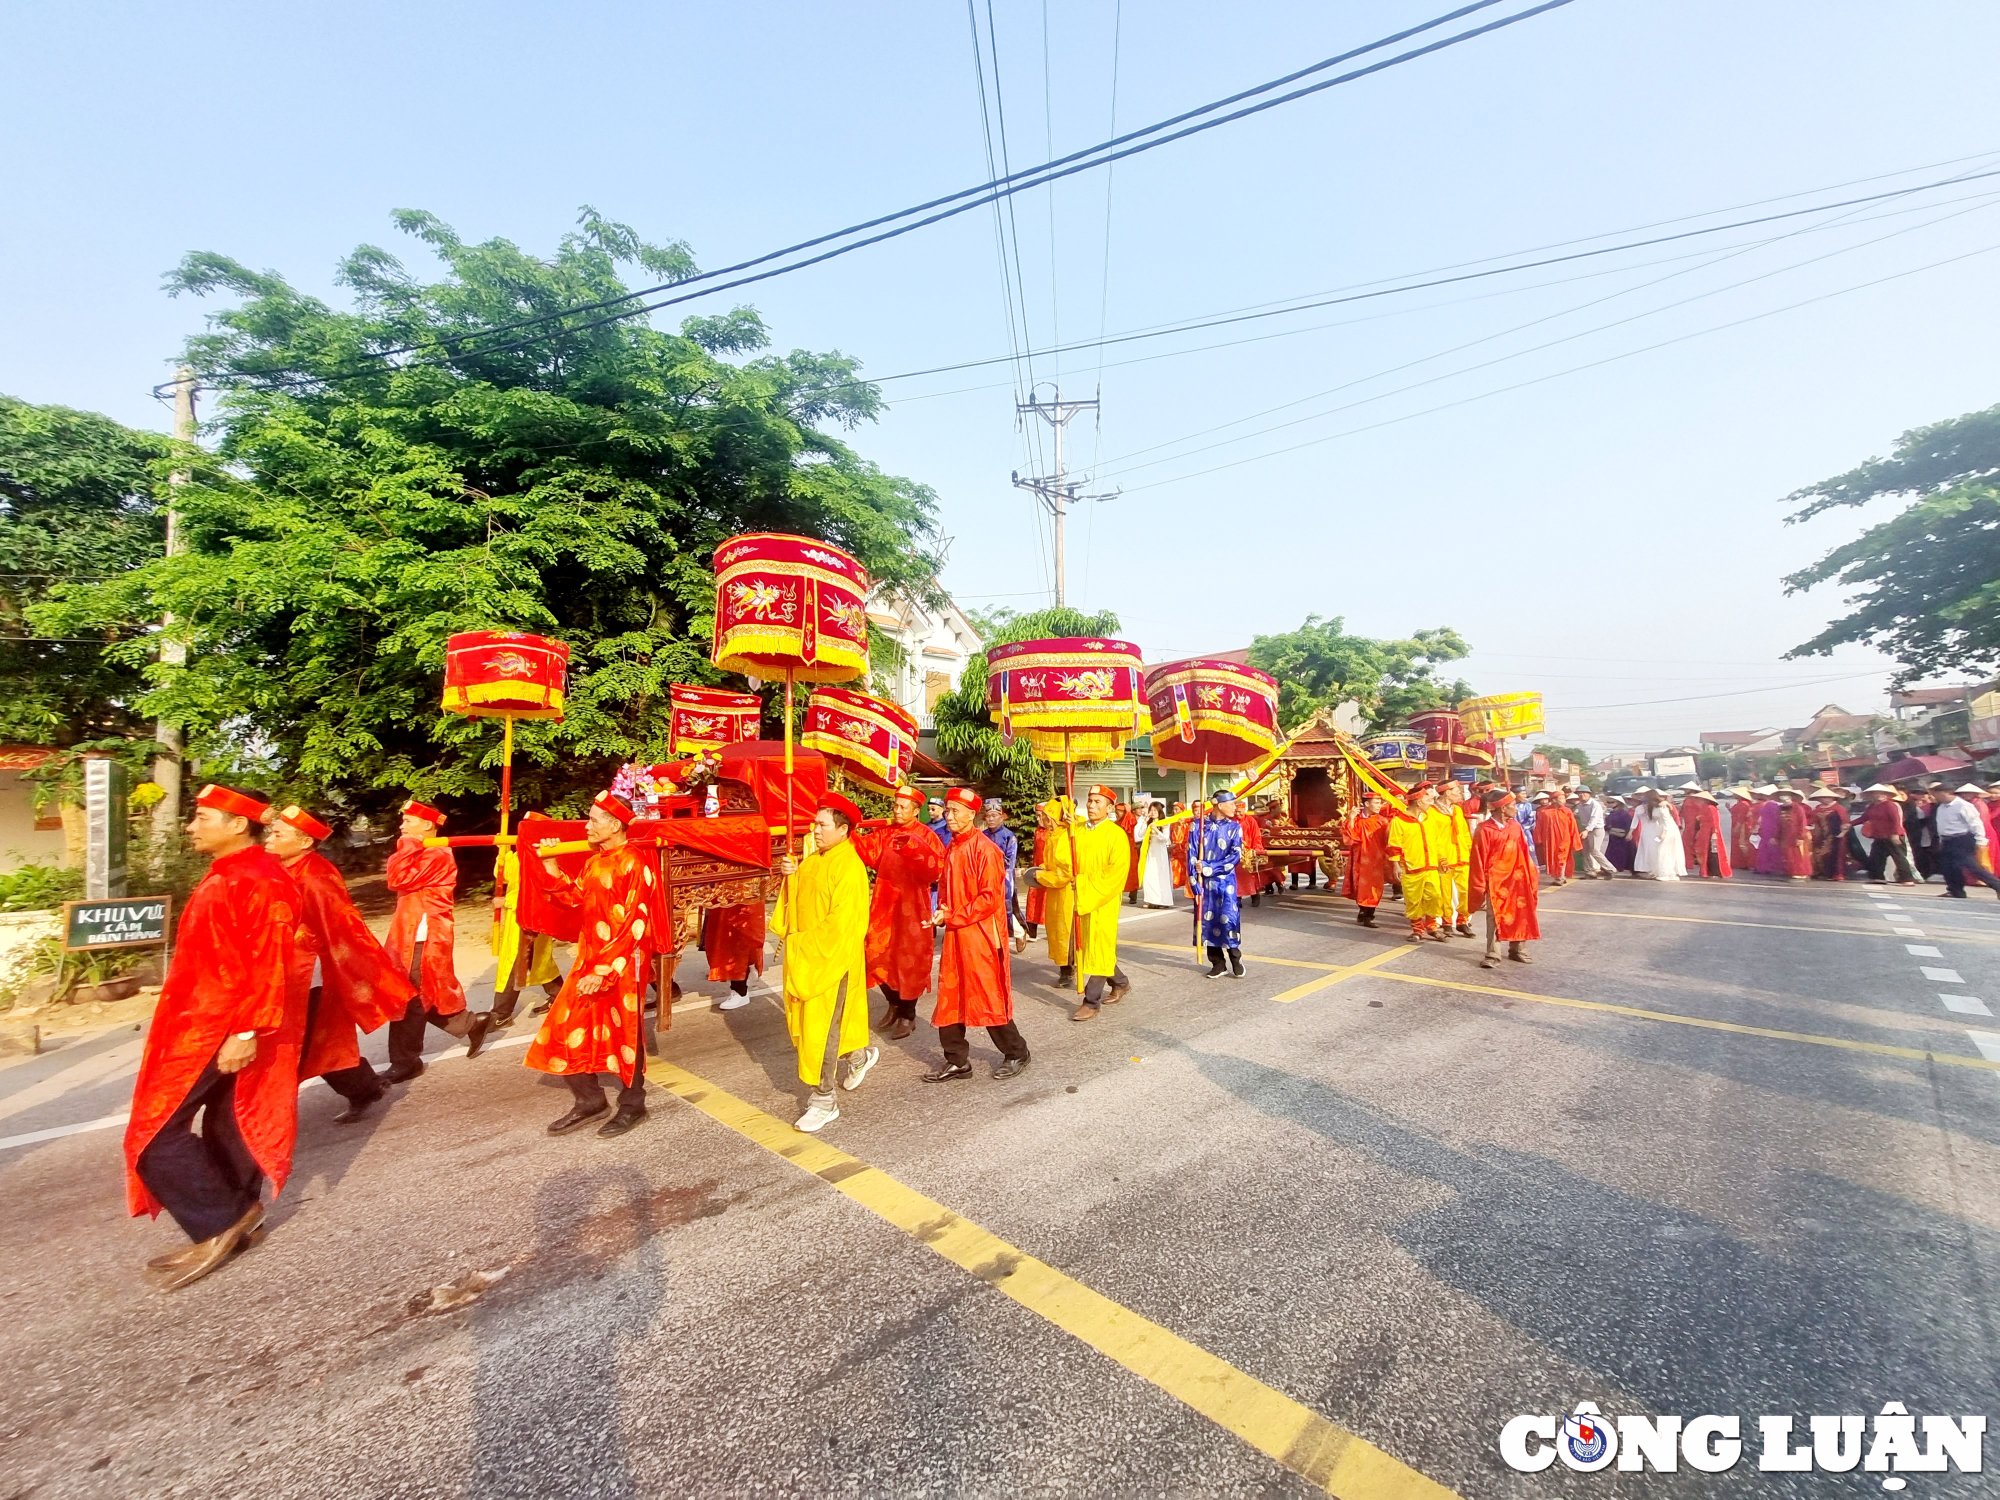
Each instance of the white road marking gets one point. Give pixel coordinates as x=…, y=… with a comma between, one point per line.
x=1942, y=976
x=1988, y=1043
x=1923, y=950
x=1908, y=931
x=94, y=1069
x=1965, y=1005
x=102, y=1122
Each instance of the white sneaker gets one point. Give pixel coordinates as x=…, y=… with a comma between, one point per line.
x=816, y=1118
x=858, y=1066
x=732, y=1001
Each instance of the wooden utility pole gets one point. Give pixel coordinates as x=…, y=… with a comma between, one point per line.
x=168, y=764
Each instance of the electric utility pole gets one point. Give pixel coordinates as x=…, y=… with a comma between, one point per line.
x=167, y=765
x=1056, y=491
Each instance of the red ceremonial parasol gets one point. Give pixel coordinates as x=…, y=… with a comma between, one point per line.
x=505, y=675
x=875, y=740
x=789, y=607
x=1071, y=698
x=1446, y=743
x=702, y=719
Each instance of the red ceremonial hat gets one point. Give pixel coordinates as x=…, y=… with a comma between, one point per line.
x=222, y=799
x=302, y=820
x=840, y=804
x=1422, y=786
x=908, y=792
x=422, y=810
x=1498, y=798
x=1102, y=791
x=614, y=804
x=965, y=797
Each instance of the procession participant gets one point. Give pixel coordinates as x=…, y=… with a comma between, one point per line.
x=1250, y=871
x=1882, y=825
x=1101, y=862
x=1216, y=850
x=1457, y=858
x=1619, y=847
x=1556, y=837
x=1156, y=876
x=906, y=857
x=1962, y=837
x=597, y=1024
x=1417, y=841
x=348, y=981
x=1770, y=853
x=1055, y=878
x=1034, y=908
x=1367, y=839
x=934, y=820
x=1128, y=822
x=1742, y=818
x=420, y=940
x=1504, y=883
x=823, y=918
x=993, y=823
x=1794, y=835
x=1703, y=848
x=1828, y=835
x=224, y=1044
x=1177, y=845
x=975, y=975
x=1989, y=806
x=733, y=938
x=1659, y=854
x=1920, y=820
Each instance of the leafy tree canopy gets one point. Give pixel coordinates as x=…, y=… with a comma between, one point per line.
x=967, y=738
x=563, y=479
x=78, y=502
x=1924, y=585
x=1320, y=665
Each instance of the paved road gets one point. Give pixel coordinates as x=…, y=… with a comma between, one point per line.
x=1722, y=1148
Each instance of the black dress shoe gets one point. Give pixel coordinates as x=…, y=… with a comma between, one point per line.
x=356, y=1109
x=621, y=1122
x=475, y=1034
x=403, y=1072
x=1216, y=965
x=579, y=1116
x=1236, y=962
x=1065, y=978
x=1009, y=1066
x=949, y=1073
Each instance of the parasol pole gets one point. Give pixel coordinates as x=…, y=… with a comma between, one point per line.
x=1075, y=871
x=1194, y=846
x=506, y=769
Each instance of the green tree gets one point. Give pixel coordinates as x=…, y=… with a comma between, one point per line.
x=1557, y=754
x=967, y=738
x=1320, y=665
x=566, y=479
x=79, y=501
x=1924, y=585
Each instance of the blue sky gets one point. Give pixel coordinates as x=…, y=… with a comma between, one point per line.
x=1611, y=537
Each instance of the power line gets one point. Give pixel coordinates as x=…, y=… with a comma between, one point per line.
x=963, y=201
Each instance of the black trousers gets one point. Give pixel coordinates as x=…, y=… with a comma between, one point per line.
x=899, y=1008
x=631, y=1097
x=1093, y=987
x=956, y=1051
x=1958, y=853
x=358, y=1084
x=208, y=1180
x=1882, y=851
x=406, y=1032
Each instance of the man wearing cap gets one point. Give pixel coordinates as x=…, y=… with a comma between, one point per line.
x=1101, y=865
x=224, y=1044
x=420, y=940
x=822, y=916
x=906, y=858
x=1367, y=838
x=1504, y=883
x=597, y=1024
x=1417, y=840
x=1962, y=838
x=1881, y=823
x=1055, y=880
x=1556, y=836
x=1216, y=849
x=934, y=819
x=1706, y=849
x=975, y=975
x=993, y=823
x=348, y=981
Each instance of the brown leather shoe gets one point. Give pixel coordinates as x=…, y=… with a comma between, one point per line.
x=1085, y=1012
x=178, y=1257
x=210, y=1253
x=1117, y=990
x=901, y=1027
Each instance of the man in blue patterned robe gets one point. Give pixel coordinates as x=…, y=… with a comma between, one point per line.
x=1215, y=848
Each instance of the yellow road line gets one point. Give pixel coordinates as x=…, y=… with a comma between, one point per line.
x=1367, y=965
x=1338, y=1461
x=1288, y=963
x=1879, y=1049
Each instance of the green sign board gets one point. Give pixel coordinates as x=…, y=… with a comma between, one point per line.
x=129, y=922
